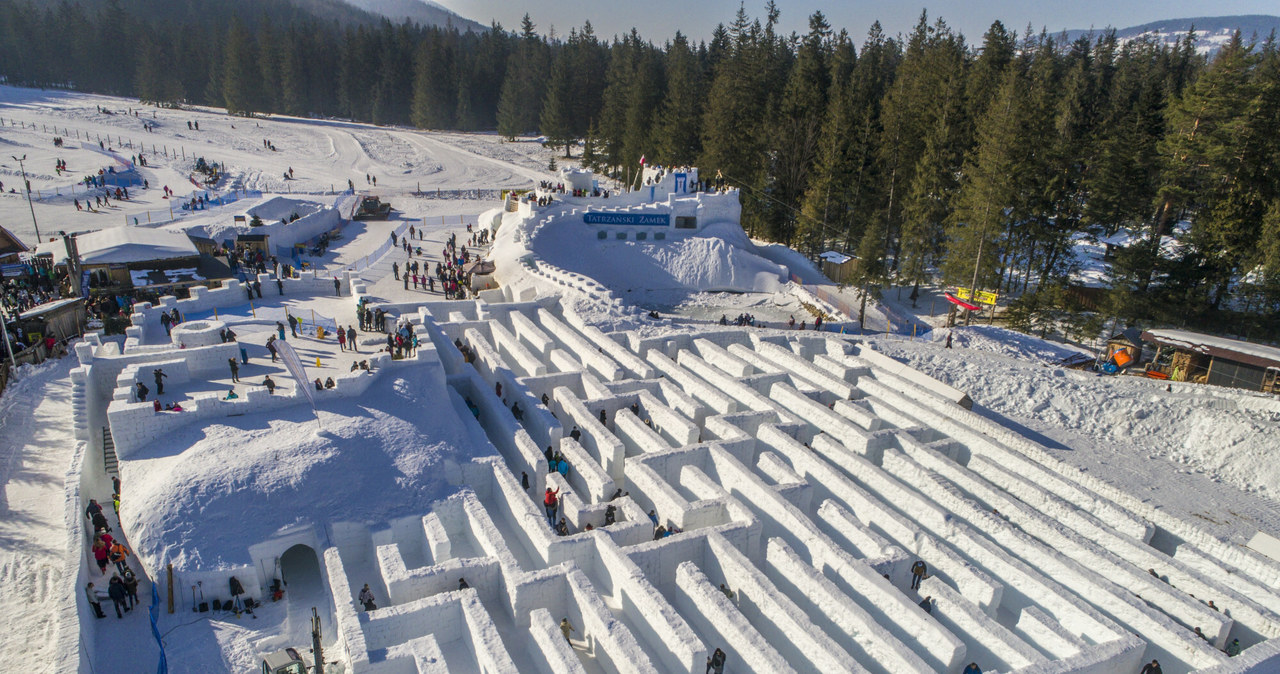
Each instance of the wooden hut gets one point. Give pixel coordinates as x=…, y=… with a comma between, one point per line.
x=1208, y=359
x=837, y=266
x=1125, y=348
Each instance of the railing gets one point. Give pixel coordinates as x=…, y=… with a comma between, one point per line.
x=159, y=217
x=162, y=666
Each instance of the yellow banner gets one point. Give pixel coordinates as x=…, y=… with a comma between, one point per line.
x=984, y=297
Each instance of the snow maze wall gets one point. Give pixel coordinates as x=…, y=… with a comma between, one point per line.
x=806, y=476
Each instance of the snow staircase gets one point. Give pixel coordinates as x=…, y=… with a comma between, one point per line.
x=109, y=460
x=79, y=403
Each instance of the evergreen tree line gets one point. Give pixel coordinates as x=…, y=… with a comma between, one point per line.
x=928, y=158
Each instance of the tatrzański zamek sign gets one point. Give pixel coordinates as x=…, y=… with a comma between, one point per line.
x=643, y=219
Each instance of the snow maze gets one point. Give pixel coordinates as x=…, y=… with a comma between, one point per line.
x=806, y=475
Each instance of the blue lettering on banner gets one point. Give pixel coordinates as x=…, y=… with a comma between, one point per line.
x=644, y=219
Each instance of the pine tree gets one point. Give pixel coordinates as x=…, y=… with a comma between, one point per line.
x=796, y=143
x=237, y=74
x=844, y=192
x=587, y=62
x=520, y=104
x=435, y=86
x=643, y=99
x=556, y=107
x=926, y=201
x=1204, y=172
x=910, y=113
x=735, y=108
x=986, y=192
x=268, y=63
x=619, y=80
x=676, y=130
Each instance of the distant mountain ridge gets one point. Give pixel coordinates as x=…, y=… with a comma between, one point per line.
x=421, y=12
x=1211, y=31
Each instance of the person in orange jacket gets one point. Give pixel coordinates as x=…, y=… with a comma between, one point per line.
x=119, y=555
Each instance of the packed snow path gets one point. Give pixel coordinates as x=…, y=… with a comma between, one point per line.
x=805, y=476
x=35, y=449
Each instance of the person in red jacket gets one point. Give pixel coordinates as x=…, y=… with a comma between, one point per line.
x=100, y=555
x=552, y=503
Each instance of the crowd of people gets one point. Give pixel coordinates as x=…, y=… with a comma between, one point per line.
x=107, y=551
x=449, y=272
x=38, y=283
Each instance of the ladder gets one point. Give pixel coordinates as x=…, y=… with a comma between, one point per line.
x=109, y=460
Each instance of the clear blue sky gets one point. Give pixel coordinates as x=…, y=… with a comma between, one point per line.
x=657, y=20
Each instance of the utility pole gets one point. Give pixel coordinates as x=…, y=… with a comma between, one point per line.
x=74, y=269
x=973, y=289
x=27, y=184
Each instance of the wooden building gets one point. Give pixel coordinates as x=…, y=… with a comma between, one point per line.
x=1207, y=359
x=838, y=267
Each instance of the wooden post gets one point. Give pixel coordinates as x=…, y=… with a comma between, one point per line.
x=169, y=568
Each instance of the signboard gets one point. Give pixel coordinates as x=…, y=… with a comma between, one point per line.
x=984, y=297
x=682, y=182
x=642, y=219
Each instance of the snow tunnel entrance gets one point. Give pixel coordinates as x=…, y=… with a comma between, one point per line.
x=300, y=570
x=304, y=589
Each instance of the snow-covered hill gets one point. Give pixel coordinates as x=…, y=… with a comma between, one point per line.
x=421, y=12
x=1212, y=32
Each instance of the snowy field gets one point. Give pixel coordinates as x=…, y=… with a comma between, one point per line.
x=323, y=154
x=1069, y=522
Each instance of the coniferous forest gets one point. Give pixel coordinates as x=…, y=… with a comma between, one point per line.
x=932, y=156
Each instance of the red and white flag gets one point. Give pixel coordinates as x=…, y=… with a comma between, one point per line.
x=642, y=160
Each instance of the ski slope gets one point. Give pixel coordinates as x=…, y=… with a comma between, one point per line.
x=324, y=154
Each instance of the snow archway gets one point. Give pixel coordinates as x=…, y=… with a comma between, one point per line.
x=305, y=588
x=300, y=570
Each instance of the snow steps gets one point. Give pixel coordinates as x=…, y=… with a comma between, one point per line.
x=79, y=405
x=109, y=460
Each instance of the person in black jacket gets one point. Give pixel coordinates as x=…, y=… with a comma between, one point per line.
x=131, y=587
x=118, y=595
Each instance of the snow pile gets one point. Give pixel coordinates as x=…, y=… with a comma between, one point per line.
x=200, y=498
x=1225, y=434
x=695, y=264
x=1008, y=343
x=644, y=265
x=282, y=208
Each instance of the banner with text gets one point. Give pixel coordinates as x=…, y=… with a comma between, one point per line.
x=641, y=219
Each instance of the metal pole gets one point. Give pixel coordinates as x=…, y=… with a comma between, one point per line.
x=4, y=327
x=22, y=166
x=317, y=648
